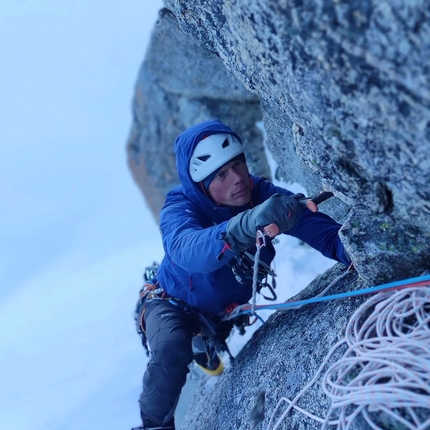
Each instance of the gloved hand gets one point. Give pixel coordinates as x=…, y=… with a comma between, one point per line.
x=282, y=210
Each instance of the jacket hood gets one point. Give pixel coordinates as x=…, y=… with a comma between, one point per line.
x=185, y=144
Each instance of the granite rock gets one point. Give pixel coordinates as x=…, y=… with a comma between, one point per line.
x=345, y=96
x=342, y=89
x=180, y=84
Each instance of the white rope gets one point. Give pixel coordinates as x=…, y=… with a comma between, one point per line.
x=384, y=375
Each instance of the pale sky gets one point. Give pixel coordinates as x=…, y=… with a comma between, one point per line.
x=75, y=233
x=66, y=81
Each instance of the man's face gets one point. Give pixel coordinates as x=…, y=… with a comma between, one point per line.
x=231, y=185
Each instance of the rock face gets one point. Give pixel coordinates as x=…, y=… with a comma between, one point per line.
x=343, y=90
x=344, y=93
x=345, y=96
x=281, y=358
x=181, y=84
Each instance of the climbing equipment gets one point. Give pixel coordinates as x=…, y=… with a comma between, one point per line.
x=148, y=291
x=246, y=267
x=250, y=309
x=259, y=243
x=405, y=283
x=206, y=358
x=208, y=327
x=213, y=152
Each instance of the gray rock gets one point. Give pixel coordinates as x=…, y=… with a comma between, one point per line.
x=180, y=84
x=345, y=96
x=343, y=89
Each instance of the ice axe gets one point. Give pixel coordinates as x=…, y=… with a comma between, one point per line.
x=312, y=203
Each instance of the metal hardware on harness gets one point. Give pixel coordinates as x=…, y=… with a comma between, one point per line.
x=271, y=288
x=151, y=271
x=242, y=267
x=149, y=290
x=260, y=239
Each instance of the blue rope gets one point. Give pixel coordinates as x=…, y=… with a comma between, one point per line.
x=261, y=319
x=361, y=292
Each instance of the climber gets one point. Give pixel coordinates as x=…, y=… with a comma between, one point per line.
x=215, y=212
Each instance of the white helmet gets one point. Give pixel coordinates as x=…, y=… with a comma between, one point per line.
x=212, y=153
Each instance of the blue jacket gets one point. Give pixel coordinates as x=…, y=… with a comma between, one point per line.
x=192, y=226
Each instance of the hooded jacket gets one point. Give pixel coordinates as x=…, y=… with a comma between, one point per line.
x=192, y=226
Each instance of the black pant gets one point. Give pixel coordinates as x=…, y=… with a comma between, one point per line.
x=169, y=331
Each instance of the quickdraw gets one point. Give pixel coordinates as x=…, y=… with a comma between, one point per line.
x=260, y=241
x=246, y=266
x=243, y=269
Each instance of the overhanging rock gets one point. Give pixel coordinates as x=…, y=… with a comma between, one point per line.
x=343, y=89
x=179, y=85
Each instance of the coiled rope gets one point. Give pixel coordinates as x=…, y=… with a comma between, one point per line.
x=383, y=377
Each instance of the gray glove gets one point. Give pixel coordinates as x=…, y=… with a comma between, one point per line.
x=282, y=210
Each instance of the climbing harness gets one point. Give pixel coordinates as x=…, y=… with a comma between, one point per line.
x=208, y=327
x=148, y=291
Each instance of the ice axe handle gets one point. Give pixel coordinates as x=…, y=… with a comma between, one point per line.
x=322, y=197
x=272, y=230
